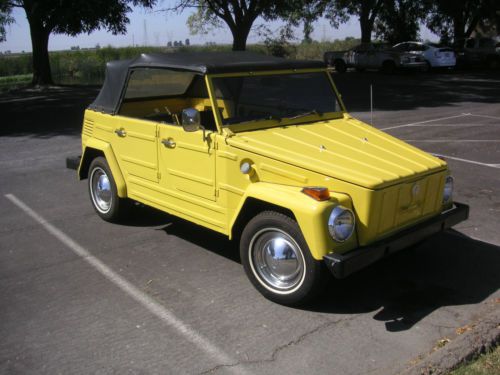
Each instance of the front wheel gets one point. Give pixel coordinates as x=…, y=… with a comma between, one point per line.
x=103, y=192
x=277, y=260
x=340, y=66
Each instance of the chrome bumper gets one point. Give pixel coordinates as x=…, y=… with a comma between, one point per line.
x=342, y=265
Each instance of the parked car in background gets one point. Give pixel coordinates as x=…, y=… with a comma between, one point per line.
x=434, y=56
x=481, y=52
x=374, y=56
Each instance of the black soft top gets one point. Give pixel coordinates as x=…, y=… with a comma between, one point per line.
x=197, y=62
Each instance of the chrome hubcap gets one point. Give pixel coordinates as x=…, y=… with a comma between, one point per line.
x=101, y=190
x=277, y=259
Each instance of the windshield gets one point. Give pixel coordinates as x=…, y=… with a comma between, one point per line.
x=275, y=97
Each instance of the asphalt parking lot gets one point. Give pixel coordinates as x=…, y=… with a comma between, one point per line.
x=158, y=295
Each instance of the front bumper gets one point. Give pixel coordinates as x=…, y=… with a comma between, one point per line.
x=73, y=162
x=342, y=265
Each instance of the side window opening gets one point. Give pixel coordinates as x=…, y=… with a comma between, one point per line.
x=160, y=95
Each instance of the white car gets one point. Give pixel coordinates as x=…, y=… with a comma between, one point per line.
x=436, y=57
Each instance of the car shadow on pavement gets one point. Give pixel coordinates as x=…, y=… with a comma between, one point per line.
x=45, y=113
x=447, y=269
x=144, y=216
x=407, y=91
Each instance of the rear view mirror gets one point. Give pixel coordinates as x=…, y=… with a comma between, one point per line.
x=191, y=120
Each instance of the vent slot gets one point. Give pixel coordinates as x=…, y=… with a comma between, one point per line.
x=88, y=127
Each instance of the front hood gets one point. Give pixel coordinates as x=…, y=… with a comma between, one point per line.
x=345, y=149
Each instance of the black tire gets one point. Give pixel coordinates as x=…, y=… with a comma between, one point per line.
x=340, y=66
x=493, y=62
x=277, y=232
x=427, y=68
x=360, y=70
x=105, y=200
x=388, y=67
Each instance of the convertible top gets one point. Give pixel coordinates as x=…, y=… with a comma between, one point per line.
x=197, y=62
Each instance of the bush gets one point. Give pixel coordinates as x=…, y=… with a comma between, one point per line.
x=88, y=66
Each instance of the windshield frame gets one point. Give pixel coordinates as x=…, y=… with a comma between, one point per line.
x=265, y=124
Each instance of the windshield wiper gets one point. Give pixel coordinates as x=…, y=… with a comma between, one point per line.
x=235, y=120
x=304, y=114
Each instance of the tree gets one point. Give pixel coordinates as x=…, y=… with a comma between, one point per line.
x=5, y=18
x=238, y=15
x=399, y=20
x=367, y=11
x=306, y=12
x=71, y=17
x=455, y=20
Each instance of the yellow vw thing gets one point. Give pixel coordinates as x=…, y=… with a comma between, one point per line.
x=262, y=150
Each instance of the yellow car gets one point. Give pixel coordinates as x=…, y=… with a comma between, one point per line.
x=262, y=150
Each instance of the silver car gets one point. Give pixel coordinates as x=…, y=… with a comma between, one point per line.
x=381, y=56
x=434, y=56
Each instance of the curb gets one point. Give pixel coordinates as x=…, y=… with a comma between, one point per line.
x=484, y=335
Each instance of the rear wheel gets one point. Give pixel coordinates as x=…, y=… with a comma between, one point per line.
x=493, y=62
x=427, y=68
x=103, y=192
x=388, y=67
x=277, y=260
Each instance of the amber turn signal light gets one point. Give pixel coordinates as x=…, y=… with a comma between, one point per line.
x=317, y=193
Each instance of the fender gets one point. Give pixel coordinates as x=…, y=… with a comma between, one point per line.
x=93, y=143
x=311, y=215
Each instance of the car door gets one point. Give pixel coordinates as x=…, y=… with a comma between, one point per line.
x=187, y=162
x=360, y=56
x=134, y=143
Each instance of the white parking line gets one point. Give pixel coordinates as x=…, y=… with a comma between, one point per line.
x=468, y=161
x=425, y=122
x=485, y=116
x=22, y=99
x=151, y=305
x=452, y=140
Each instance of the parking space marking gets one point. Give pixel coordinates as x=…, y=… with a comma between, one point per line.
x=151, y=305
x=22, y=99
x=485, y=116
x=468, y=161
x=425, y=122
x=452, y=140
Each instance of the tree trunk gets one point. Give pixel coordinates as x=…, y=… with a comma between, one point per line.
x=42, y=74
x=240, y=36
x=458, y=32
x=366, y=29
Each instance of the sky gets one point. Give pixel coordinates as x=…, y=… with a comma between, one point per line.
x=155, y=28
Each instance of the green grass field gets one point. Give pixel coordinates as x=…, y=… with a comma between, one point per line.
x=87, y=66
x=487, y=364
x=14, y=81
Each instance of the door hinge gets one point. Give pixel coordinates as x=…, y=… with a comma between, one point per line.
x=216, y=193
x=158, y=175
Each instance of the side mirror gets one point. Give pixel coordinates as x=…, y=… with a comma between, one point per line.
x=191, y=120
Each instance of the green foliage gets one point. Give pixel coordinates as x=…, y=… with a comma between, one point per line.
x=487, y=364
x=399, y=21
x=367, y=11
x=5, y=18
x=280, y=46
x=455, y=20
x=88, y=66
x=203, y=21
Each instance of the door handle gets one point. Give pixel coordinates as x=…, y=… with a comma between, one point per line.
x=120, y=132
x=170, y=143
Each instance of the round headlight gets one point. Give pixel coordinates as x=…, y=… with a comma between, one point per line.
x=341, y=223
x=448, y=189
